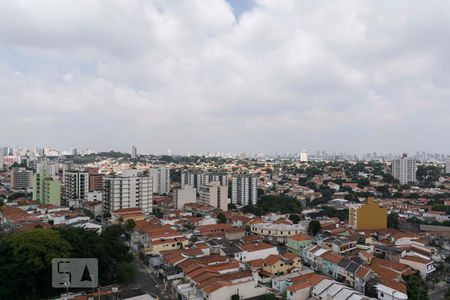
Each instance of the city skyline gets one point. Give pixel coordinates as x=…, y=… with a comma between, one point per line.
x=255, y=76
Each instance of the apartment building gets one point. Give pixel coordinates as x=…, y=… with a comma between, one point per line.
x=161, y=179
x=21, y=178
x=244, y=189
x=367, y=216
x=76, y=185
x=214, y=194
x=404, y=169
x=131, y=189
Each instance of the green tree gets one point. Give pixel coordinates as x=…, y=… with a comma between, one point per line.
x=392, y=220
x=269, y=297
x=221, y=218
x=158, y=213
x=232, y=206
x=294, y=218
x=314, y=227
x=130, y=224
x=31, y=257
x=235, y=297
x=416, y=287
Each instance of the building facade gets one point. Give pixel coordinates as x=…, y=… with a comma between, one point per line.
x=95, y=180
x=76, y=185
x=21, y=178
x=367, y=216
x=214, y=194
x=404, y=169
x=161, y=179
x=244, y=189
x=182, y=196
x=46, y=189
x=127, y=191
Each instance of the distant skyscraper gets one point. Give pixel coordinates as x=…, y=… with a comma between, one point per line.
x=304, y=156
x=404, y=169
x=76, y=185
x=244, y=189
x=126, y=191
x=447, y=166
x=134, y=152
x=161, y=179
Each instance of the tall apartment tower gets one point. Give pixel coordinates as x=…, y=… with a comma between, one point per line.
x=161, y=179
x=134, y=152
x=95, y=180
x=128, y=190
x=447, y=166
x=76, y=185
x=244, y=189
x=46, y=188
x=208, y=177
x=192, y=178
x=21, y=178
x=214, y=194
x=303, y=156
x=404, y=169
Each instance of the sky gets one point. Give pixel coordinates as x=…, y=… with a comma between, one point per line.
x=233, y=76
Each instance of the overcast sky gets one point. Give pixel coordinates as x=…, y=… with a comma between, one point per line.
x=254, y=76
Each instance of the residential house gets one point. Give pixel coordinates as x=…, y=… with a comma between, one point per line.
x=296, y=243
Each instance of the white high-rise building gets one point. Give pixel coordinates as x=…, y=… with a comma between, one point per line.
x=185, y=195
x=404, y=169
x=303, y=156
x=134, y=152
x=126, y=191
x=214, y=194
x=447, y=167
x=76, y=185
x=1, y=159
x=161, y=179
x=50, y=168
x=244, y=189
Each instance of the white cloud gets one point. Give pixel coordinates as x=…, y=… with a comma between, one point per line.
x=188, y=75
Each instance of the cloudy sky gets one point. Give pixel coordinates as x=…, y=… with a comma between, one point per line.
x=215, y=75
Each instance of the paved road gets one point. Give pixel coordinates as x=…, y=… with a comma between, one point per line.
x=145, y=281
x=439, y=292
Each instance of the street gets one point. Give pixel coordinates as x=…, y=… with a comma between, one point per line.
x=439, y=291
x=144, y=280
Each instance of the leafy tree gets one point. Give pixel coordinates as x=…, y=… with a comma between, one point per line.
x=269, y=297
x=416, y=287
x=235, y=297
x=125, y=271
x=232, y=206
x=392, y=220
x=130, y=225
x=158, y=213
x=29, y=261
x=221, y=218
x=294, y=218
x=314, y=227
x=341, y=214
